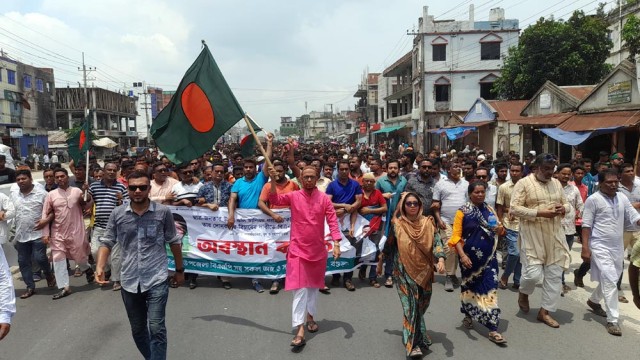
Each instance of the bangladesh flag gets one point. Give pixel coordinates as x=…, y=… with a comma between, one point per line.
x=248, y=143
x=201, y=111
x=80, y=141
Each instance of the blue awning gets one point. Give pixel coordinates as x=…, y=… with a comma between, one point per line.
x=455, y=132
x=576, y=137
x=388, y=129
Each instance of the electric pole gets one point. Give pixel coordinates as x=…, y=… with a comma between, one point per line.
x=86, y=70
x=146, y=108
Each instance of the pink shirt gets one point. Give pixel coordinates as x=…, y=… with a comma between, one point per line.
x=308, y=213
x=67, y=223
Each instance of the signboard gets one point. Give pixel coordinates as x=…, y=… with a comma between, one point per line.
x=619, y=93
x=15, y=132
x=363, y=127
x=545, y=100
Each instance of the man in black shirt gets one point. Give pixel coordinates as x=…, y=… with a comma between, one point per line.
x=7, y=175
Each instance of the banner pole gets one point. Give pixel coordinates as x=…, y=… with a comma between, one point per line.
x=255, y=136
x=86, y=175
x=635, y=164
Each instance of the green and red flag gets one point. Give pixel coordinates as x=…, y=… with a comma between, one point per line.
x=199, y=113
x=80, y=141
x=248, y=143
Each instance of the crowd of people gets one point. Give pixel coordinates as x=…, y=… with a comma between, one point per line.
x=499, y=220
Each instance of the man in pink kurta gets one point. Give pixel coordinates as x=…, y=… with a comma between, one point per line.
x=307, y=252
x=67, y=235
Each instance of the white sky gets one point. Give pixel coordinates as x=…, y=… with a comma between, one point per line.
x=274, y=54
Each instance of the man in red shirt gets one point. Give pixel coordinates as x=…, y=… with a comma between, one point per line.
x=373, y=207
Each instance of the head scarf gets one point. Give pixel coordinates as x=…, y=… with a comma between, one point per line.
x=415, y=244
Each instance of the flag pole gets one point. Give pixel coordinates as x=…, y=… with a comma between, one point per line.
x=635, y=164
x=264, y=153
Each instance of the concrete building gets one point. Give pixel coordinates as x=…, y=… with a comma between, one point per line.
x=395, y=102
x=367, y=104
x=27, y=106
x=114, y=113
x=288, y=126
x=457, y=62
x=616, y=19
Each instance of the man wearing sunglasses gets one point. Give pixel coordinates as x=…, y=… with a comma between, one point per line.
x=107, y=194
x=482, y=174
x=423, y=185
x=161, y=184
x=142, y=228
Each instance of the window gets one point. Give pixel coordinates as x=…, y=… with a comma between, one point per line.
x=11, y=77
x=27, y=81
x=439, y=52
x=485, y=91
x=490, y=51
x=39, y=85
x=442, y=92
x=48, y=87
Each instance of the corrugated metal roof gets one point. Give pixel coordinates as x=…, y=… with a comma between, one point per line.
x=589, y=122
x=508, y=110
x=551, y=119
x=578, y=91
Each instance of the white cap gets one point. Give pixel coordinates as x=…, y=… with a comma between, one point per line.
x=481, y=158
x=260, y=159
x=532, y=153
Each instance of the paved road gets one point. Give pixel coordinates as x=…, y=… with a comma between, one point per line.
x=212, y=323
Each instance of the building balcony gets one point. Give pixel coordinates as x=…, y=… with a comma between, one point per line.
x=362, y=91
x=399, y=91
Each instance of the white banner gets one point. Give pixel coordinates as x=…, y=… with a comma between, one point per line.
x=256, y=247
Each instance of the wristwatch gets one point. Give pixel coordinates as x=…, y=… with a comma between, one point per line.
x=180, y=271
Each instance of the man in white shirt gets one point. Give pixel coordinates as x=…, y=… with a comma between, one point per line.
x=605, y=215
x=7, y=296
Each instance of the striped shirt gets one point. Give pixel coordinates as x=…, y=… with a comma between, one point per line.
x=106, y=199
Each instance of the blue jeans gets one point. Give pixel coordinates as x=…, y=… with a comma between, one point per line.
x=513, y=259
x=146, y=312
x=38, y=250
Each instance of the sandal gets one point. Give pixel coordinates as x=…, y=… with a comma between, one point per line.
x=614, y=329
x=596, y=308
x=623, y=299
x=297, y=344
x=389, y=282
x=374, y=283
x=27, y=294
x=78, y=272
x=416, y=353
x=548, y=320
x=497, y=338
x=467, y=322
x=503, y=285
x=312, y=326
x=61, y=294
x=349, y=285
x=325, y=290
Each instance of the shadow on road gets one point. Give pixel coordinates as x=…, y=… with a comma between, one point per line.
x=239, y=321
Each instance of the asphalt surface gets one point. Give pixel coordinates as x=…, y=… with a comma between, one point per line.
x=212, y=323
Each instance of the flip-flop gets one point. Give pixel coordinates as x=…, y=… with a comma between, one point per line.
x=497, y=339
x=325, y=290
x=548, y=320
x=296, y=347
x=312, y=326
x=467, y=322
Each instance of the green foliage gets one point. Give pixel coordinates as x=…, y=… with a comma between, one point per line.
x=631, y=36
x=571, y=52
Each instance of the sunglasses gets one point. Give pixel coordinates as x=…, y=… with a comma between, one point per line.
x=426, y=167
x=163, y=170
x=135, y=188
x=218, y=171
x=411, y=203
x=481, y=176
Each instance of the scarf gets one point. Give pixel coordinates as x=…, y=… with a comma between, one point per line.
x=415, y=246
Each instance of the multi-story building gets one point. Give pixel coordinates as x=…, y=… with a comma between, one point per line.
x=114, y=114
x=27, y=106
x=367, y=104
x=395, y=101
x=288, y=126
x=616, y=19
x=455, y=62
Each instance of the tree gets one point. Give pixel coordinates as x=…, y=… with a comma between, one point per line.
x=631, y=36
x=571, y=52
